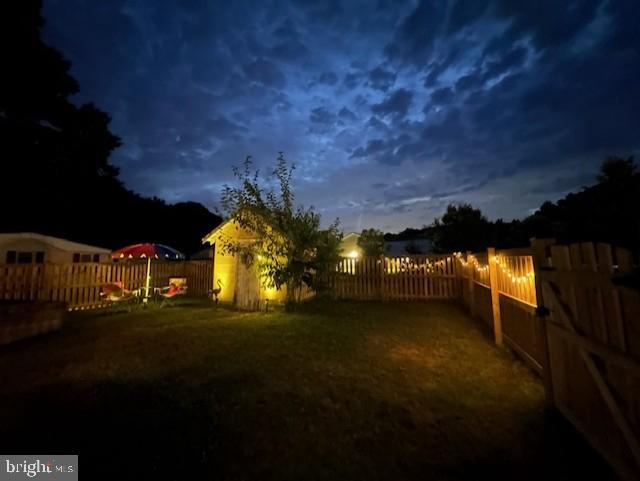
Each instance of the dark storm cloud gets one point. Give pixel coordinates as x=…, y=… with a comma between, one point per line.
x=421, y=96
x=265, y=72
x=416, y=35
x=397, y=103
x=346, y=114
x=353, y=79
x=381, y=79
x=328, y=78
x=320, y=115
x=376, y=123
x=442, y=96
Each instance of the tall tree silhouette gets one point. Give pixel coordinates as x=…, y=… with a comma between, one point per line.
x=57, y=178
x=55, y=153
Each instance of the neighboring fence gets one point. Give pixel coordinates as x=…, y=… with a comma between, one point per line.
x=396, y=278
x=78, y=284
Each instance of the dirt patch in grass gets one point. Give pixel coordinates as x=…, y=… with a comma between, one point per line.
x=336, y=390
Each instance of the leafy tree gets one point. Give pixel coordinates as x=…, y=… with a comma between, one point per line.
x=371, y=241
x=461, y=228
x=407, y=234
x=617, y=171
x=604, y=212
x=412, y=248
x=291, y=249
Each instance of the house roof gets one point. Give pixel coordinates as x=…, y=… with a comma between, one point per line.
x=63, y=244
x=350, y=234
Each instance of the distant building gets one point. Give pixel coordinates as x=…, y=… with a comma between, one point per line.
x=31, y=248
x=349, y=245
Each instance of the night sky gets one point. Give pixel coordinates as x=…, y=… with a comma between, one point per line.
x=391, y=110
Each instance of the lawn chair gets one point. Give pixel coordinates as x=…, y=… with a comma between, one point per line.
x=115, y=292
x=177, y=287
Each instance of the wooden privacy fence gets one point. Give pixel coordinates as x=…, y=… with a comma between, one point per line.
x=78, y=284
x=557, y=307
x=499, y=288
x=560, y=309
x=395, y=278
x=592, y=351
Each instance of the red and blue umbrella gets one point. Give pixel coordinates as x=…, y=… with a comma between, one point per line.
x=148, y=252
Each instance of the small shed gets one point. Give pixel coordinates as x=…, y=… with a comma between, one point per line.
x=239, y=284
x=32, y=248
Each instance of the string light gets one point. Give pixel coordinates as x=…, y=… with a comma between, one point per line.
x=502, y=265
x=473, y=261
x=528, y=277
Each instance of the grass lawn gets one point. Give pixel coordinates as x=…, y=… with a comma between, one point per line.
x=336, y=391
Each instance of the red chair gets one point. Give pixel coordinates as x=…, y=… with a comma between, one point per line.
x=177, y=287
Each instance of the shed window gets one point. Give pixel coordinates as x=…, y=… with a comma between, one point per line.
x=96, y=257
x=76, y=257
x=85, y=258
x=39, y=257
x=11, y=257
x=25, y=257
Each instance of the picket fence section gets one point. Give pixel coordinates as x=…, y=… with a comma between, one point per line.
x=395, y=278
x=79, y=284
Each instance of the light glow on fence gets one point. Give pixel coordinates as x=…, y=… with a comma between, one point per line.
x=502, y=265
x=509, y=273
x=473, y=261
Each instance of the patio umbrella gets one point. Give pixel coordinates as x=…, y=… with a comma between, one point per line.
x=147, y=251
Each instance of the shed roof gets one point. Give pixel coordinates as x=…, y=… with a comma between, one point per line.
x=211, y=236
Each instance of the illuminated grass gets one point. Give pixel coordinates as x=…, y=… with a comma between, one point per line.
x=336, y=391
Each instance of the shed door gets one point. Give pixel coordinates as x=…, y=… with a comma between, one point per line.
x=247, y=293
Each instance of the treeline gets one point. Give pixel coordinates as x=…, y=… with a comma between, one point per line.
x=56, y=175
x=608, y=211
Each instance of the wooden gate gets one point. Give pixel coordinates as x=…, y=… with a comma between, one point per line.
x=592, y=368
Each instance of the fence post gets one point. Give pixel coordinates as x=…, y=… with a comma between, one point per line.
x=539, y=248
x=495, y=295
x=379, y=270
x=470, y=284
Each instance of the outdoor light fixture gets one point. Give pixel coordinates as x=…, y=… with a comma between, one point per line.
x=353, y=254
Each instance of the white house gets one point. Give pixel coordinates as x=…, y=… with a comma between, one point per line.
x=30, y=248
x=349, y=245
